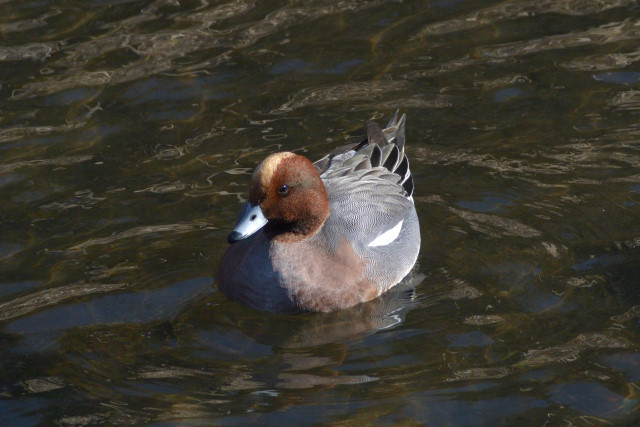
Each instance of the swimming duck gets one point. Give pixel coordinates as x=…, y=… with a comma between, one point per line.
x=327, y=235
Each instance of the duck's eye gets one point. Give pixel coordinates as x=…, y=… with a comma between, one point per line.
x=283, y=190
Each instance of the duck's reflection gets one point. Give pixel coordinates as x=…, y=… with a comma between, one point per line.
x=306, y=349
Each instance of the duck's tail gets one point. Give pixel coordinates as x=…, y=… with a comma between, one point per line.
x=381, y=148
x=387, y=147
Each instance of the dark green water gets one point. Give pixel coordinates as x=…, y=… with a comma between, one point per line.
x=128, y=130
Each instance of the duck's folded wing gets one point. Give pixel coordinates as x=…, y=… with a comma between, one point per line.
x=368, y=207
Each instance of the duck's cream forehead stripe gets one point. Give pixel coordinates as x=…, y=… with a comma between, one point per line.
x=263, y=175
x=270, y=165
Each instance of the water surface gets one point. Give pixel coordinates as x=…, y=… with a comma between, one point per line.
x=128, y=132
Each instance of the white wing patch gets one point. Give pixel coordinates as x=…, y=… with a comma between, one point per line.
x=388, y=236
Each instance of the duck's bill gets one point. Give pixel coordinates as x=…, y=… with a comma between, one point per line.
x=250, y=220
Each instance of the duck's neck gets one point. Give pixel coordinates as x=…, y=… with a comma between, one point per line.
x=294, y=231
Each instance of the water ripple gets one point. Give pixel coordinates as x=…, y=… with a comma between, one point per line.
x=355, y=91
x=519, y=10
x=47, y=297
x=608, y=33
x=59, y=161
x=141, y=231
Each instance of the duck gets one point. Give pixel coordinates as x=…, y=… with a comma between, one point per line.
x=328, y=235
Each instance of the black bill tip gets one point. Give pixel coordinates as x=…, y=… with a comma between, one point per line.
x=233, y=237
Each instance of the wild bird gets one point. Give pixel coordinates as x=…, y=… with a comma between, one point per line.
x=325, y=236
